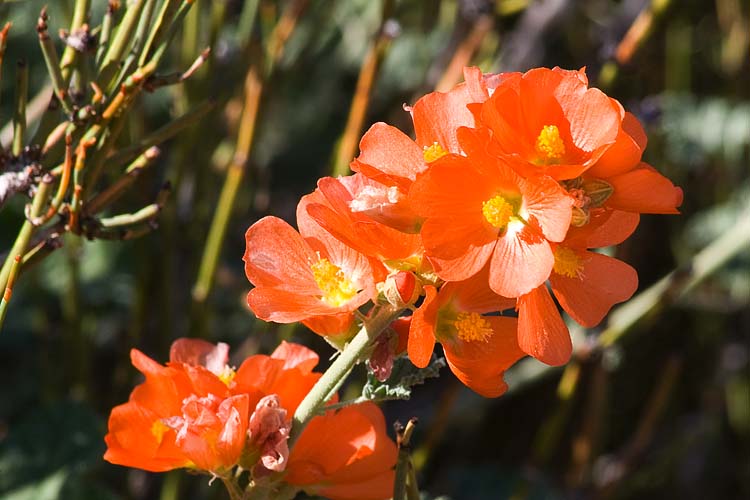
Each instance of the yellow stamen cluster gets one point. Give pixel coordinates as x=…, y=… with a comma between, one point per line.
x=227, y=375
x=549, y=144
x=336, y=287
x=472, y=327
x=158, y=429
x=433, y=152
x=497, y=211
x=567, y=263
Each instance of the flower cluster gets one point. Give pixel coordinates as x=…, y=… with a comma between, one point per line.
x=510, y=185
x=198, y=412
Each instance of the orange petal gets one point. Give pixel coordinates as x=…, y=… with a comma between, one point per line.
x=422, y=330
x=438, y=115
x=296, y=356
x=345, y=455
x=625, y=153
x=481, y=365
x=390, y=151
x=604, y=282
x=199, y=352
x=276, y=255
x=606, y=227
x=541, y=331
x=522, y=261
x=549, y=204
x=646, y=191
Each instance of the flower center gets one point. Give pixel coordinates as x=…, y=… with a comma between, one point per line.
x=158, y=429
x=498, y=211
x=567, y=263
x=549, y=144
x=433, y=152
x=472, y=327
x=336, y=287
x=227, y=375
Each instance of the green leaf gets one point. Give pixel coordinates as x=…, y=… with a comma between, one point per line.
x=403, y=377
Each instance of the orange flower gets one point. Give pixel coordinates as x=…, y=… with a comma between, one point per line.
x=303, y=276
x=478, y=210
x=183, y=415
x=478, y=348
x=393, y=160
x=548, y=122
x=586, y=284
x=195, y=412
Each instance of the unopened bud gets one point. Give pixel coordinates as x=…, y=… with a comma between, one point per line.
x=401, y=289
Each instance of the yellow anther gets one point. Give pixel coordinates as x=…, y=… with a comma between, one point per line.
x=336, y=287
x=497, y=211
x=549, y=144
x=158, y=429
x=227, y=375
x=472, y=327
x=567, y=263
x=433, y=152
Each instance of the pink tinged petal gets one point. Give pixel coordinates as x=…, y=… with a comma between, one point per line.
x=233, y=412
x=390, y=151
x=521, y=262
x=549, y=204
x=296, y=356
x=541, y=331
x=644, y=190
x=594, y=120
x=269, y=431
x=199, y=352
x=603, y=282
x=277, y=256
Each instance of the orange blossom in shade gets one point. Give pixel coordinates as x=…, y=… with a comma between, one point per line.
x=478, y=348
x=183, y=415
x=478, y=210
x=586, y=284
x=194, y=413
x=345, y=455
x=392, y=159
x=300, y=276
x=548, y=122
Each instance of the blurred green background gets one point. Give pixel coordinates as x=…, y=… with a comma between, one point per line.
x=665, y=413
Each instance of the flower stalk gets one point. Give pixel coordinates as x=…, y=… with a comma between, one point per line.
x=378, y=320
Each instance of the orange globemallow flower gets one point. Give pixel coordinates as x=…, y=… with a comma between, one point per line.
x=194, y=413
x=183, y=415
x=479, y=348
x=478, y=210
x=548, y=122
x=299, y=276
x=586, y=284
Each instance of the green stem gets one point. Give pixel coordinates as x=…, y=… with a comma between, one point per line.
x=67, y=63
x=24, y=235
x=19, y=116
x=379, y=319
